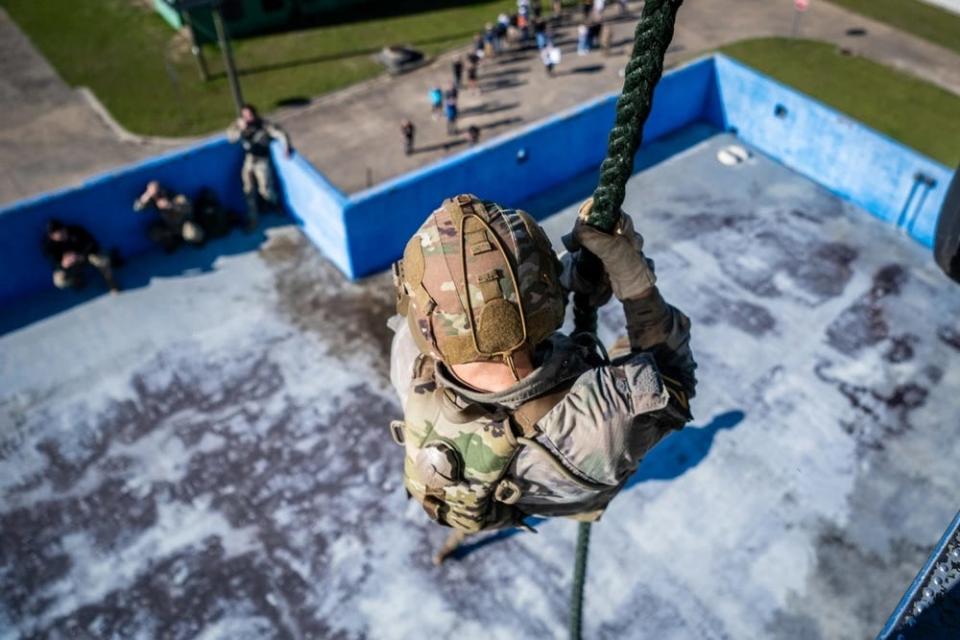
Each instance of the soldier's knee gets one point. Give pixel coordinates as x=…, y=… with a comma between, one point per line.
x=61, y=280
x=100, y=261
x=192, y=232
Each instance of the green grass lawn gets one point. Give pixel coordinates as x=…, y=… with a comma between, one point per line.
x=148, y=80
x=917, y=113
x=922, y=20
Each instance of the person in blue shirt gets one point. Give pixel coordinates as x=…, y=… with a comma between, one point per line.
x=436, y=102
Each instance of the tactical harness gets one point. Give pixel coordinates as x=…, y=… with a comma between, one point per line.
x=458, y=454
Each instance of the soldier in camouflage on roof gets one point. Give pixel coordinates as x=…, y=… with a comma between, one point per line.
x=256, y=134
x=505, y=416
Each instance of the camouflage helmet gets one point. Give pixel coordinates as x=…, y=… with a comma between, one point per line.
x=479, y=282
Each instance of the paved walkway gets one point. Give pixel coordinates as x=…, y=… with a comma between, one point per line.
x=353, y=136
x=51, y=137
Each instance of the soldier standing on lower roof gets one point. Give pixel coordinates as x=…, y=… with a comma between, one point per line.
x=504, y=416
x=256, y=135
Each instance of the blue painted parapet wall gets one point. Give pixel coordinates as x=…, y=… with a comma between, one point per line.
x=888, y=179
x=512, y=168
x=362, y=233
x=104, y=205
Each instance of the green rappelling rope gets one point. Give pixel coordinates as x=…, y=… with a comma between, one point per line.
x=579, y=578
x=651, y=39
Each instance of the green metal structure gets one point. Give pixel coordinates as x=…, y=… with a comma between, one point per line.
x=246, y=17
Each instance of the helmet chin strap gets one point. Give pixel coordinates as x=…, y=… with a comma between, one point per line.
x=508, y=359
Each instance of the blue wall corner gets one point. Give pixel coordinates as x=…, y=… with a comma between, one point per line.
x=891, y=181
x=315, y=204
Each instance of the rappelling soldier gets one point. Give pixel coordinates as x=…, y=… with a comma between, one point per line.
x=505, y=416
x=256, y=134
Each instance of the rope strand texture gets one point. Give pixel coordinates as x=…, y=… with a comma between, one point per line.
x=651, y=39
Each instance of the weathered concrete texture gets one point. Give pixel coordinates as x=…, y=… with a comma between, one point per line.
x=207, y=455
x=50, y=137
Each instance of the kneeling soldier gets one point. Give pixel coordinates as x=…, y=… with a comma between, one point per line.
x=504, y=416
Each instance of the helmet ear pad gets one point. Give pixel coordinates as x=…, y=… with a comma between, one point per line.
x=499, y=327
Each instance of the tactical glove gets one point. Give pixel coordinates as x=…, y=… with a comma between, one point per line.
x=631, y=274
x=574, y=279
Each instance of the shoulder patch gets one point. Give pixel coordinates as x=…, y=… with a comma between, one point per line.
x=639, y=379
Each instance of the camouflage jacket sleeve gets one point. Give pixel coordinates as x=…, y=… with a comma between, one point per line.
x=403, y=353
x=599, y=432
x=663, y=331
x=233, y=133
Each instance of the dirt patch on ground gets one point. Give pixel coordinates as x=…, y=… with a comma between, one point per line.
x=320, y=299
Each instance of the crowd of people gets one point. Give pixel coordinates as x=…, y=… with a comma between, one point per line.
x=528, y=26
x=74, y=252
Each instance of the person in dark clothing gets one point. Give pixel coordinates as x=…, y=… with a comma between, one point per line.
x=540, y=32
x=457, y=71
x=256, y=135
x=408, y=131
x=450, y=109
x=478, y=42
x=473, y=133
x=176, y=221
x=593, y=33
x=473, y=65
x=71, y=250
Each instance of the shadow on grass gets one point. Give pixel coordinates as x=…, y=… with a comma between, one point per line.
x=340, y=55
x=676, y=454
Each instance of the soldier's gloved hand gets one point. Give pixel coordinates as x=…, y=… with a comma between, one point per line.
x=574, y=279
x=631, y=274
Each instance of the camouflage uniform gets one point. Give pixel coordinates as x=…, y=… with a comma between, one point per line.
x=80, y=242
x=176, y=218
x=257, y=173
x=563, y=440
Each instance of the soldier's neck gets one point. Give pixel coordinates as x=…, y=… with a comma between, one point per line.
x=493, y=377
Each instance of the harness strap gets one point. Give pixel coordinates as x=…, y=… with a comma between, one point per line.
x=528, y=414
